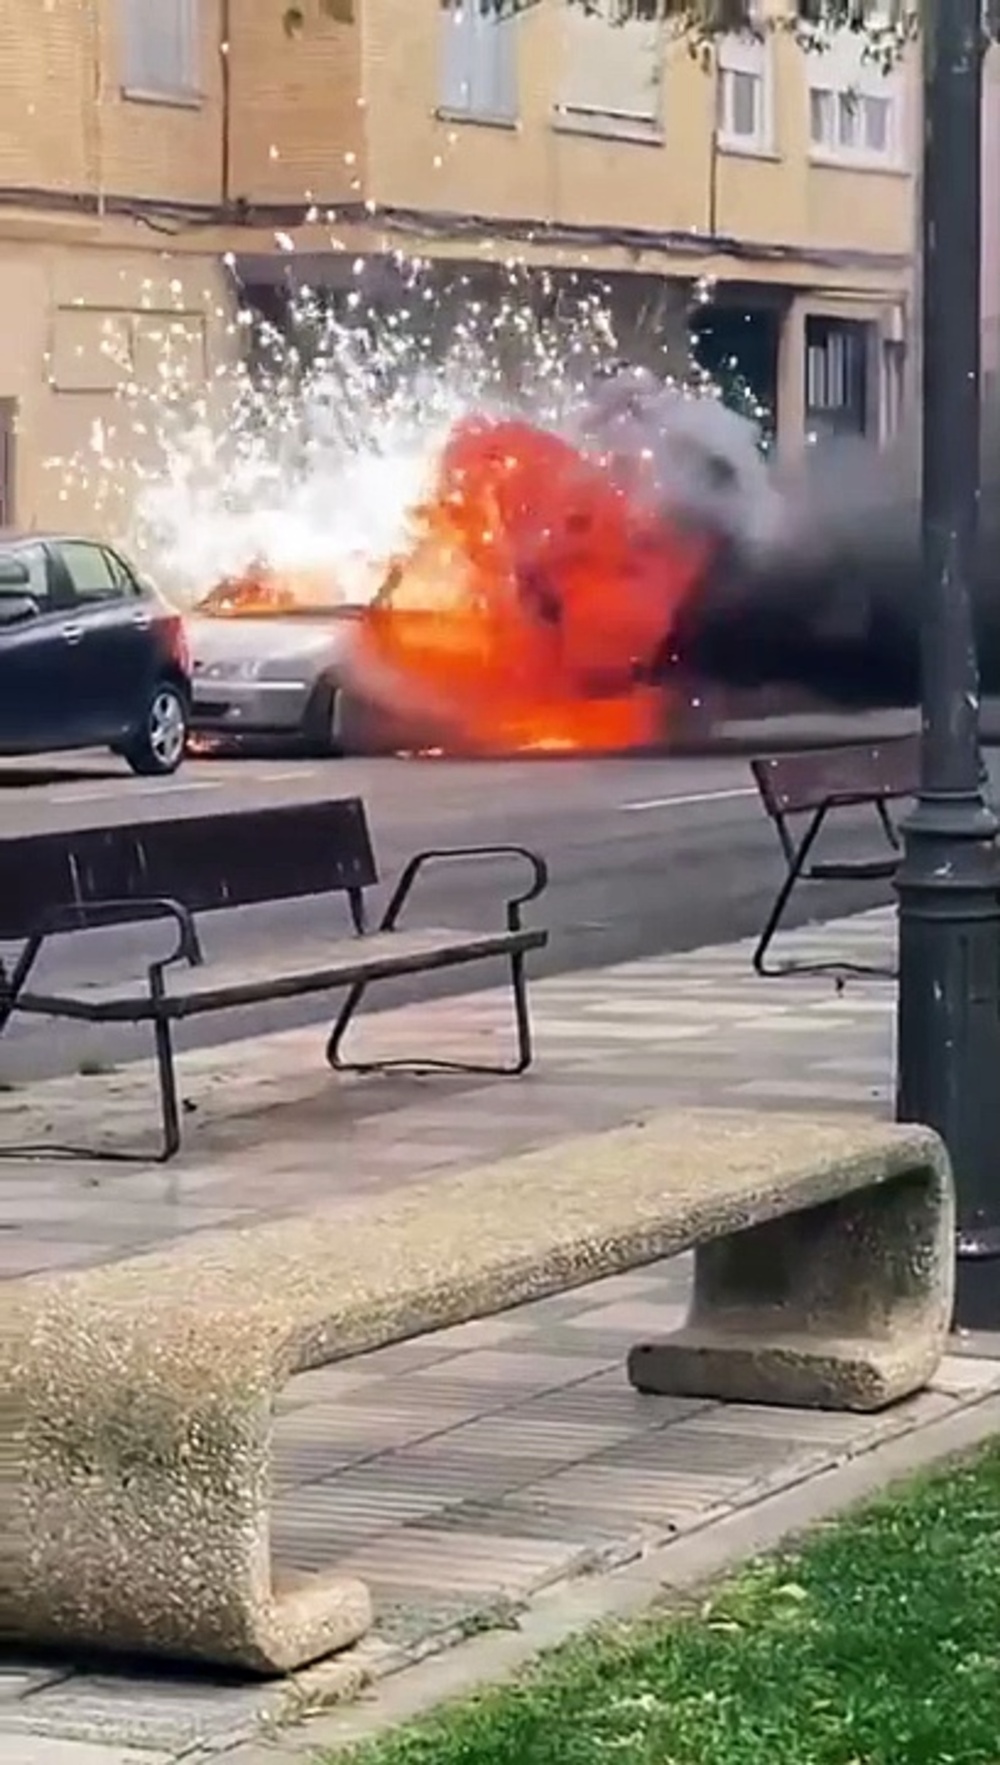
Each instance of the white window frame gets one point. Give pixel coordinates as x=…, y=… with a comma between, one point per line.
x=594, y=115
x=743, y=55
x=146, y=27
x=846, y=83
x=482, y=86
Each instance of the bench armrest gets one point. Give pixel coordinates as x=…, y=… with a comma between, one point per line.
x=537, y=884
x=98, y=914
x=92, y=917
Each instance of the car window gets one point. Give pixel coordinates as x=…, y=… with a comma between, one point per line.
x=90, y=573
x=34, y=561
x=125, y=581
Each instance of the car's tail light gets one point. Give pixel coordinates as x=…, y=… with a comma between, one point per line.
x=180, y=647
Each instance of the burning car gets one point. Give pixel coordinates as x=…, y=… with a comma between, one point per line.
x=531, y=611
x=268, y=658
x=566, y=592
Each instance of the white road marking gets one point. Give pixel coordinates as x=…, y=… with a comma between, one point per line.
x=69, y=793
x=283, y=776
x=683, y=802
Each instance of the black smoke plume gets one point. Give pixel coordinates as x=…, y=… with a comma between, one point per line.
x=817, y=581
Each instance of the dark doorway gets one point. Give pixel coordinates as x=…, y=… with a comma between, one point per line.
x=738, y=346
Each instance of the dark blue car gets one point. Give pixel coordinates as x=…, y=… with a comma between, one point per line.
x=89, y=657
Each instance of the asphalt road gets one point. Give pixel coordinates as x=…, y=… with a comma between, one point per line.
x=645, y=856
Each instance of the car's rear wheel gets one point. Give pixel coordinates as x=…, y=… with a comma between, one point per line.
x=156, y=747
x=324, y=723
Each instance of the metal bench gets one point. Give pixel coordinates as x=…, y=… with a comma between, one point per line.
x=139, y=1398
x=813, y=784
x=55, y=884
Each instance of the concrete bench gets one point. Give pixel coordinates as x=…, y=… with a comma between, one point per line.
x=139, y=1396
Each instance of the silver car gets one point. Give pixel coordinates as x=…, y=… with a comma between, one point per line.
x=272, y=673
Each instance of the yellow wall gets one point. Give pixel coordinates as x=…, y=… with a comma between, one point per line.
x=540, y=170
x=65, y=124
x=347, y=112
x=80, y=322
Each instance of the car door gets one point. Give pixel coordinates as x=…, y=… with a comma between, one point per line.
x=108, y=623
x=38, y=705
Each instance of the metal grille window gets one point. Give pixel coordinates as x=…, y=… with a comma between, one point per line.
x=161, y=48
x=836, y=367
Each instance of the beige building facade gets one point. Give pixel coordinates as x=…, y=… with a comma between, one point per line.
x=147, y=146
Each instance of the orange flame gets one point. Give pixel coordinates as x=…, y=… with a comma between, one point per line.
x=261, y=590
x=529, y=613
x=534, y=603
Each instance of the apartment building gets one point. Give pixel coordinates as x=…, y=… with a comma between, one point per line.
x=160, y=159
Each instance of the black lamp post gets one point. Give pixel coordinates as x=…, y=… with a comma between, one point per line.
x=949, y=881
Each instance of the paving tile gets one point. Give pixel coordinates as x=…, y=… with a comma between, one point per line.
x=753, y=1422
x=634, y=1492
x=684, y=1449
x=478, y=1333
x=335, y=1437
x=518, y=1435
x=630, y=1317
x=962, y=1375
x=513, y=1517
x=39, y=1750
x=165, y=1714
x=522, y=1372
x=439, y=1558
x=323, y=1385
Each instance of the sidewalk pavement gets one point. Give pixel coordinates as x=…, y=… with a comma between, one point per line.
x=269, y=1131
x=461, y=1473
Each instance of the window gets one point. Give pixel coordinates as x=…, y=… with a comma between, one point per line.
x=479, y=63
x=613, y=74
x=90, y=572
x=850, y=122
x=855, y=108
x=744, y=117
x=31, y=558
x=121, y=575
x=161, y=48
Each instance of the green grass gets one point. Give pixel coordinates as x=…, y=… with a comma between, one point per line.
x=875, y=1643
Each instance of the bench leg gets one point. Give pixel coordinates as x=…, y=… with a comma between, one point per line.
x=845, y=1306
x=524, y=1051
x=170, y=1114
x=784, y=895
x=142, y=1517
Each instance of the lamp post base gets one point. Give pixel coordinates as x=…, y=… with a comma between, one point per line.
x=949, y=1021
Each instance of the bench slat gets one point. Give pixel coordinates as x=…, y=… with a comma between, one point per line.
x=209, y=863
x=792, y=784
x=287, y=972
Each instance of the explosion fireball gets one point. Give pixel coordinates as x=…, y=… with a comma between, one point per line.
x=516, y=563
x=536, y=603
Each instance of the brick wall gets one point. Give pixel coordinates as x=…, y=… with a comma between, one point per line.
x=66, y=125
